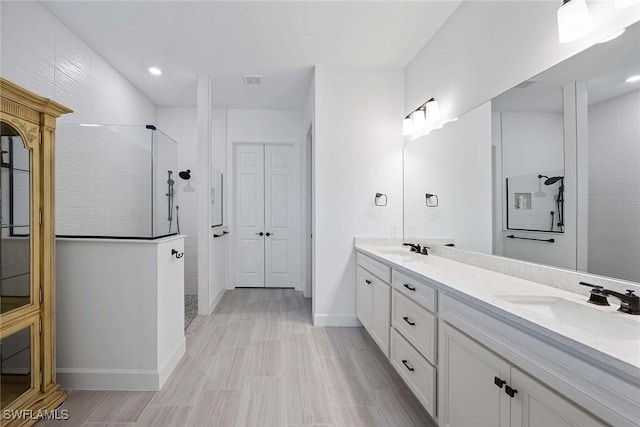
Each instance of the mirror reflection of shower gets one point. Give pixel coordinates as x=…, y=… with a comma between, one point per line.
x=559, y=198
x=170, y=196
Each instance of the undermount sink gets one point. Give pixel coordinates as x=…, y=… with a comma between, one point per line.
x=395, y=251
x=594, y=321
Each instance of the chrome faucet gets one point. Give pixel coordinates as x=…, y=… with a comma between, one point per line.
x=629, y=302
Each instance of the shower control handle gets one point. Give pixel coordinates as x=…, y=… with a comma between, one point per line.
x=260, y=234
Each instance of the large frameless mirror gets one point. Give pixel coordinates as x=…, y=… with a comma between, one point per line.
x=547, y=172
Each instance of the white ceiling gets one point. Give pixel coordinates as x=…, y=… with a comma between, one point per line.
x=280, y=40
x=604, y=67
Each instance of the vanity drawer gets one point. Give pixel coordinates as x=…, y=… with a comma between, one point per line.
x=419, y=375
x=416, y=290
x=374, y=267
x=415, y=323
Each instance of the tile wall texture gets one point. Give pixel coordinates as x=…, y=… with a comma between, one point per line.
x=614, y=187
x=99, y=180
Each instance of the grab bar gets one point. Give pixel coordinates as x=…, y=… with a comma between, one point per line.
x=511, y=236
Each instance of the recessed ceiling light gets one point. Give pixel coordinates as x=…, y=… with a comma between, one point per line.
x=633, y=79
x=155, y=71
x=612, y=36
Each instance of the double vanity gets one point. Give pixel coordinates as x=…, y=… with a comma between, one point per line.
x=480, y=347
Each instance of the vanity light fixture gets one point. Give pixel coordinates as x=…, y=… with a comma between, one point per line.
x=155, y=71
x=633, y=79
x=574, y=20
x=621, y=4
x=612, y=36
x=422, y=120
x=432, y=109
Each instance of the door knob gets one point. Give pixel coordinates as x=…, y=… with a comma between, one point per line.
x=270, y=234
x=261, y=234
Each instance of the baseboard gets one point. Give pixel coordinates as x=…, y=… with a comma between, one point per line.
x=173, y=361
x=216, y=300
x=108, y=379
x=347, y=320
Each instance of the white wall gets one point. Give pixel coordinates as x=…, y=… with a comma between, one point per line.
x=118, y=326
x=219, y=245
x=358, y=152
x=258, y=126
x=487, y=47
x=181, y=124
x=614, y=187
x=101, y=187
x=460, y=177
x=306, y=157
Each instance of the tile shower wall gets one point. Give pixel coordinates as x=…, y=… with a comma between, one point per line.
x=181, y=125
x=40, y=54
x=614, y=187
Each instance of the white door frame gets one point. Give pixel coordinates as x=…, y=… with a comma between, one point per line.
x=300, y=166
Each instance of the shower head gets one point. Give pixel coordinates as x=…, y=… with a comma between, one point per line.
x=186, y=175
x=553, y=180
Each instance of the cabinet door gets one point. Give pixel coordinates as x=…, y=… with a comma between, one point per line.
x=534, y=405
x=467, y=390
x=381, y=316
x=364, y=298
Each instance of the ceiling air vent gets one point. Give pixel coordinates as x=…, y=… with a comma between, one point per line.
x=527, y=83
x=252, y=80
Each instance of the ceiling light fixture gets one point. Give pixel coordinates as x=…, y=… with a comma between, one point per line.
x=612, y=36
x=155, y=71
x=574, y=20
x=621, y=4
x=633, y=79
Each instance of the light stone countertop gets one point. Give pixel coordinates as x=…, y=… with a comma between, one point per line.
x=617, y=351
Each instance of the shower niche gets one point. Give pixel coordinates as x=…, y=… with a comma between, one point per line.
x=27, y=346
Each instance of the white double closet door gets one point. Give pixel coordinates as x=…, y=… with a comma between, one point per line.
x=267, y=210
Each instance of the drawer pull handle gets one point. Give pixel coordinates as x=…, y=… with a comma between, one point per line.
x=510, y=391
x=407, y=365
x=406, y=285
x=406, y=319
x=368, y=282
x=499, y=382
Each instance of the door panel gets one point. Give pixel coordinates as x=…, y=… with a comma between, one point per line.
x=537, y=406
x=249, y=213
x=468, y=394
x=280, y=216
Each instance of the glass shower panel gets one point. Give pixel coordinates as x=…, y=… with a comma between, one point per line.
x=106, y=180
x=165, y=184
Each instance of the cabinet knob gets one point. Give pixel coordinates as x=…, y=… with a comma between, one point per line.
x=367, y=281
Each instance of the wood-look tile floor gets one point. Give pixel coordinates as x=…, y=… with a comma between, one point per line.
x=258, y=361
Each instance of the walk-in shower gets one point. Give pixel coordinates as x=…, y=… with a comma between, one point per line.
x=115, y=181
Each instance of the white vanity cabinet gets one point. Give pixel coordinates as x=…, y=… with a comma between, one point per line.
x=471, y=363
x=373, y=299
x=479, y=388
